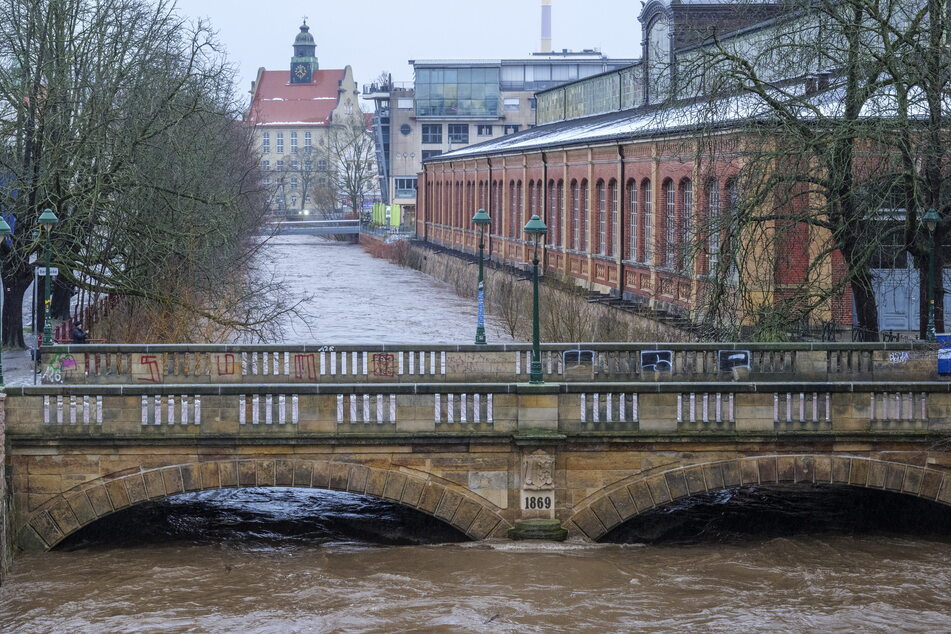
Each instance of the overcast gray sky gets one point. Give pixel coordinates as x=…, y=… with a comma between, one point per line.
x=377, y=35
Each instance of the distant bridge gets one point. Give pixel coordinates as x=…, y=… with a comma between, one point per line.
x=313, y=227
x=454, y=431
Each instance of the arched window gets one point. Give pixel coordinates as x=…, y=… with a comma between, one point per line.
x=494, y=211
x=513, y=221
x=497, y=209
x=713, y=225
x=552, y=214
x=670, y=223
x=575, y=216
x=559, y=211
x=538, y=199
x=632, y=203
x=731, y=250
x=686, y=224
x=531, y=201
x=647, y=205
x=601, y=244
x=615, y=201
x=519, y=212
x=585, y=215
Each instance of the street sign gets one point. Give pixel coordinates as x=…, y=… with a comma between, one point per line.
x=41, y=270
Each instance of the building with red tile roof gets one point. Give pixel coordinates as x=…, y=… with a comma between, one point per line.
x=292, y=112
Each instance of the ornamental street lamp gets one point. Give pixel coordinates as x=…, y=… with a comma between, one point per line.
x=931, y=220
x=536, y=229
x=481, y=220
x=46, y=220
x=4, y=232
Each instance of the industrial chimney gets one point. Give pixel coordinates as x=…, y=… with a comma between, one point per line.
x=546, y=26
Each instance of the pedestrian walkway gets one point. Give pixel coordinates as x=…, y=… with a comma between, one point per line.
x=18, y=368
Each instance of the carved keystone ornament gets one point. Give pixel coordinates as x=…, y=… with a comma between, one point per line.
x=538, y=470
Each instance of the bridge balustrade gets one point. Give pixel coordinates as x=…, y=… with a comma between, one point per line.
x=639, y=409
x=561, y=362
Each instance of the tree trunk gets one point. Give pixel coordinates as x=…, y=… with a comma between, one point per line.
x=13, y=311
x=923, y=265
x=866, y=309
x=62, y=298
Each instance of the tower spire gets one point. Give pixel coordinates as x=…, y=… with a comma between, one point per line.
x=304, y=61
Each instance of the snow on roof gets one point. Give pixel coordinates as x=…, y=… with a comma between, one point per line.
x=278, y=102
x=294, y=123
x=654, y=120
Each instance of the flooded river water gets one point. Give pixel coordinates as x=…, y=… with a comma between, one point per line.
x=289, y=560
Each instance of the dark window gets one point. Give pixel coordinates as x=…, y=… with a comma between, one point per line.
x=431, y=153
x=686, y=224
x=432, y=133
x=405, y=187
x=670, y=224
x=485, y=130
x=647, y=204
x=458, y=132
x=512, y=129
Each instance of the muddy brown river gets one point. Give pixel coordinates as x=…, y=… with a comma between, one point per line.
x=288, y=560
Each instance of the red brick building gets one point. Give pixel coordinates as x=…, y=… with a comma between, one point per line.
x=633, y=200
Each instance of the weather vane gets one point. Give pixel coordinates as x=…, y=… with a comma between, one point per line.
x=305, y=19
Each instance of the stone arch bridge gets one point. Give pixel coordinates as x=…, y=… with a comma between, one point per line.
x=606, y=439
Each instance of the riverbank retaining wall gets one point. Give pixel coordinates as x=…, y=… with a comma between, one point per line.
x=565, y=312
x=6, y=551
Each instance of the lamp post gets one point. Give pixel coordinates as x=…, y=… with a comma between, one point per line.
x=536, y=229
x=4, y=232
x=46, y=220
x=930, y=220
x=481, y=220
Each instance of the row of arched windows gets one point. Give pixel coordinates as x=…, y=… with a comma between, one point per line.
x=676, y=228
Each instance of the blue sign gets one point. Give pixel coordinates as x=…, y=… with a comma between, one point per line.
x=944, y=352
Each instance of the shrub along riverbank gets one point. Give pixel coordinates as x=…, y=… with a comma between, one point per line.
x=564, y=312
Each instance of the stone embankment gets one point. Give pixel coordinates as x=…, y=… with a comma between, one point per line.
x=5, y=512
x=567, y=313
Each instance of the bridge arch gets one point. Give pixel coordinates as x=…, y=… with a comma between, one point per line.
x=71, y=510
x=620, y=501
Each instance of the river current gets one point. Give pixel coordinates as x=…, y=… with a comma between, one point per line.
x=290, y=560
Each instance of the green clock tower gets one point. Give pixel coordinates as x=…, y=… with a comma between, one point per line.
x=304, y=62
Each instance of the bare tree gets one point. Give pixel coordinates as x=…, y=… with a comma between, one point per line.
x=844, y=144
x=350, y=156
x=119, y=115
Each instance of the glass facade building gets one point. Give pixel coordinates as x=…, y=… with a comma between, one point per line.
x=457, y=92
